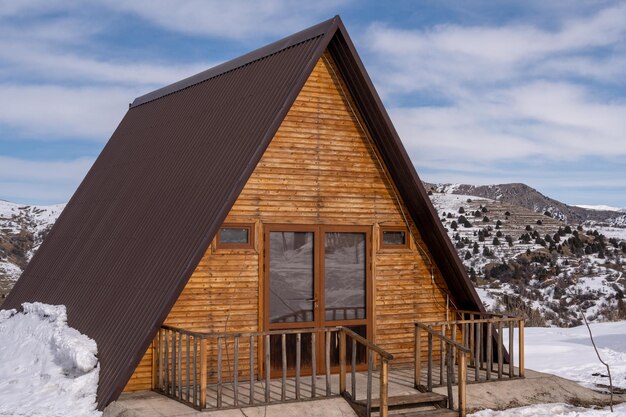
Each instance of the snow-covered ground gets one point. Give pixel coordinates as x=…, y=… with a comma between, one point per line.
x=569, y=354
x=554, y=410
x=47, y=369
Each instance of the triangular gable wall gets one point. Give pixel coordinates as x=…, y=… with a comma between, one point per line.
x=320, y=168
x=138, y=225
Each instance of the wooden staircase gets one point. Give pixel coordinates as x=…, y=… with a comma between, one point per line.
x=427, y=404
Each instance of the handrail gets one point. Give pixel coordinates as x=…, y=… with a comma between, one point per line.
x=428, y=328
x=446, y=359
x=248, y=334
x=476, y=321
x=483, y=313
x=367, y=343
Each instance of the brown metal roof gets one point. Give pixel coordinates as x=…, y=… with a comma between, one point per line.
x=131, y=236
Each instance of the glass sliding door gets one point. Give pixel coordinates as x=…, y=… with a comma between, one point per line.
x=292, y=292
x=316, y=276
x=345, y=276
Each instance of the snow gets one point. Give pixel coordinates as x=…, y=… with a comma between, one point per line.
x=567, y=352
x=608, y=231
x=16, y=219
x=486, y=297
x=46, y=367
x=9, y=270
x=599, y=207
x=553, y=410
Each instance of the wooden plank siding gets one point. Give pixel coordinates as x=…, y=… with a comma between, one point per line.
x=320, y=168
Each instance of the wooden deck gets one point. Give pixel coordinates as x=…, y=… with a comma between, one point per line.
x=400, y=384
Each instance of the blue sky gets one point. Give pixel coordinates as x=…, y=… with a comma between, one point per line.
x=481, y=91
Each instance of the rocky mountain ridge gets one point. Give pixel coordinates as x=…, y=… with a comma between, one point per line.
x=528, y=197
x=22, y=229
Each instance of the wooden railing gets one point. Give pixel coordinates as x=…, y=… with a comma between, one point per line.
x=479, y=332
x=471, y=336
x=226, y=370
x=447, y=349
x=371, y=349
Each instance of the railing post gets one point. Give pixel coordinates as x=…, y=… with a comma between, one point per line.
x=267, y=368
x=521, y=348
x=442, y=357
x=500, y=349
x=511, y=325
x=430, y=363
x=384, y=381
x=462, y=381
x=203, y=373
x=251, y=394
x=370, y=365
x=219, y=372
x=283, y=353
x=449, y=371
x=477, y=350
x=327, y=362
x=342, y=361
x=353, y=370
x=298, y=363
x=418, y=356
x=489, y=352
x=156, y=354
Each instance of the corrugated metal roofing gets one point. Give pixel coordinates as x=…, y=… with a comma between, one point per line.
x=129, y=239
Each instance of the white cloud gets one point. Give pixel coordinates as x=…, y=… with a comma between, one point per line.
x=61, y=65
x=53, y=111
x=45, y=182
x=16, y=169
x=447, y=55
x=506, y=94
x=236, y=19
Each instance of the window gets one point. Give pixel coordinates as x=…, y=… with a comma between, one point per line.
x=235, y=236
x=394, y=237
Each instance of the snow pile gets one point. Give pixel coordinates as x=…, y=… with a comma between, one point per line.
x=46, y=367
x=553, y=410
x=567, y=352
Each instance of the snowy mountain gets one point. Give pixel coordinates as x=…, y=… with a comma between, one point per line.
x=525, y=196
x=22, y=229
x=523, y=261
x=601, y=207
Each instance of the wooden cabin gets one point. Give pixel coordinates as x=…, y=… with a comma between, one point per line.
x=262, y=215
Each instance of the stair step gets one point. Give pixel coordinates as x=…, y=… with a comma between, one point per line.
x=404, y=401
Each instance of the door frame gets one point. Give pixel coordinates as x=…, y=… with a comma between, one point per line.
x=319, y=319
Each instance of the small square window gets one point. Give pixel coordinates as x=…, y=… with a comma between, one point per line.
x=394, y=237
x=235, y=236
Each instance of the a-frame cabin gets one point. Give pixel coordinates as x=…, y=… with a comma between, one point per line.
x=266, y=204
